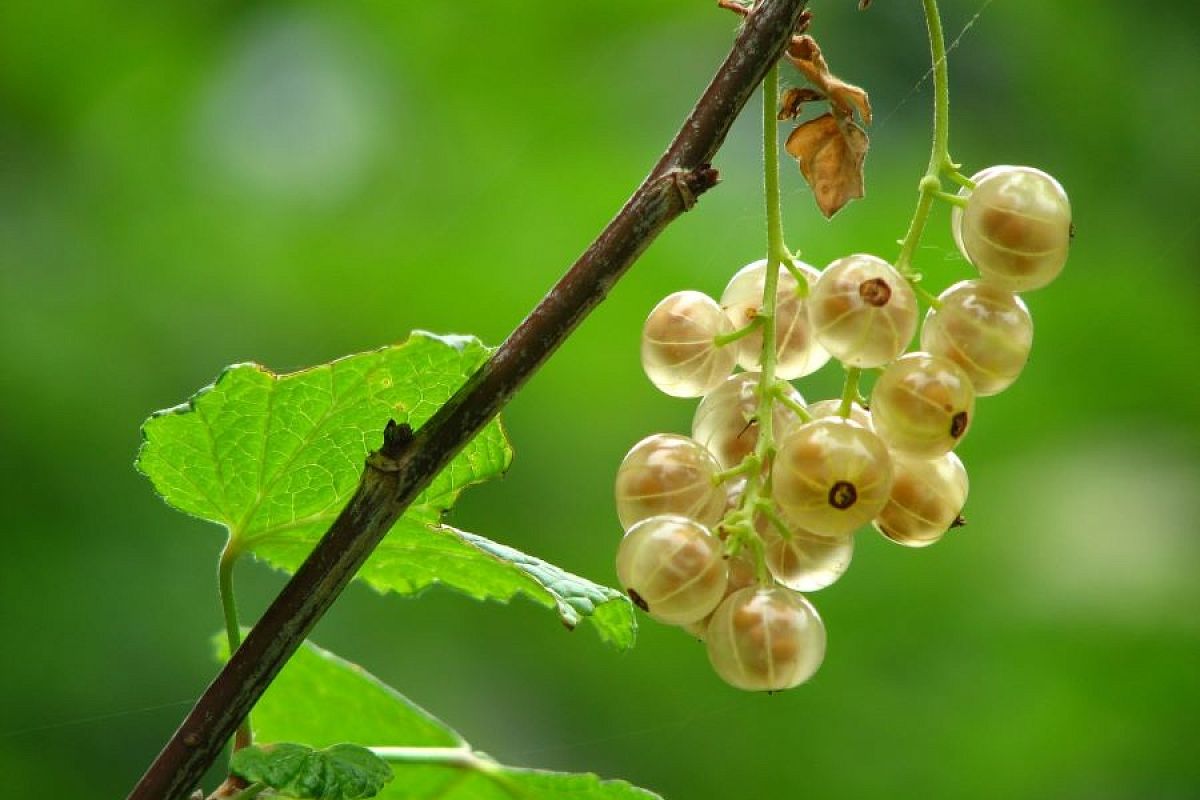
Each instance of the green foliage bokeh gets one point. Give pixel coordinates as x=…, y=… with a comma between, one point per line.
x=185, y=186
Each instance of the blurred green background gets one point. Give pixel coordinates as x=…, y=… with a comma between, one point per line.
x=186, y=185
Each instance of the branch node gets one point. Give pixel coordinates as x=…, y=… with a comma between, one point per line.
x=397, y=437
x=691, y=183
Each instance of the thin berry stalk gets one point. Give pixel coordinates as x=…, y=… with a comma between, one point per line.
x=775, y=256
x=759, y=483
x=939, y=157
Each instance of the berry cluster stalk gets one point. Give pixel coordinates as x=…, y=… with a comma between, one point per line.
x=776, y=254
x=758, y=486
x=764, y=449
x=939, y=158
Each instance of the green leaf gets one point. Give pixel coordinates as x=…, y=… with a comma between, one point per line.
x=273, y=458
x=341, y=772
x=478, y=778
x=322, y=699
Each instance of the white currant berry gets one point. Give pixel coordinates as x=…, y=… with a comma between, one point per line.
x=956, y=213
x=797, y=351
x=804, y=562
x=833, y=408
x=863, y=311
x=673, y=568
x=926, y=500
x=679, y=351
x=669, y=474
x=765, y=639
x=831, y=476
x=726, y=419
x=922, y=405
x=984, y=329
x=1015, y=227
x=741, y=575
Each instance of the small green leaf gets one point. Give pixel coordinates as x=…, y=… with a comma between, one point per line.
x=322, y=699
x=274, y=458
x=341, y=772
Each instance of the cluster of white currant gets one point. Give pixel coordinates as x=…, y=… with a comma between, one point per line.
x=722, y=533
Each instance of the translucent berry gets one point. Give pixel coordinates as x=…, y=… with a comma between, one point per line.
x=726, y=419
x=797, y=351
x=673, y=568
x=765, y=639
x=984, y=329
x=863, y=312
x=1015, y=228
x=805, y=562
x=669, y=474
x=922, y=405
x=741, y=575
x=833, y=408
x=679, y=353
x=831, y=476
x=926, y=500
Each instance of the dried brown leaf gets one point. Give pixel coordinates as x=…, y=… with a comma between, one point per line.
x=846, y=98
x=793, y=100
x=831, y=153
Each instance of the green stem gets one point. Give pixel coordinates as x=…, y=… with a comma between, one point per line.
x=781, y=527
x=953, y=174
x=789, y=264
x=741, y=521
x=777, y=251
x=776, y=254
x=783, y=396
x=939, y=157
x=849, y=391
x=723, y=339
x=233, y=632
x=929, y=297
x=749, y=464
x=952, y=199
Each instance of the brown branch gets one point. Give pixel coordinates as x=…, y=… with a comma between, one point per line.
x=407, y=462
